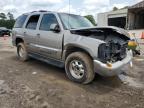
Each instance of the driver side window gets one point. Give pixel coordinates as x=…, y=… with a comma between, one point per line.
x=46, y=22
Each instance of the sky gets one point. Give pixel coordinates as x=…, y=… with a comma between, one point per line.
x=80, y=7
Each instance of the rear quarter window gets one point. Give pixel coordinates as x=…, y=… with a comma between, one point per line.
x=20, y=21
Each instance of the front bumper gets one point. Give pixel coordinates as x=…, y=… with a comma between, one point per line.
x=115, y=69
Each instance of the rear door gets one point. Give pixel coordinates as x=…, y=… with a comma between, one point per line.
x=50, y=42
x=18, y=30
x=30, y=33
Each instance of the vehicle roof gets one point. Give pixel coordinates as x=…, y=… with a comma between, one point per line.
x=45, y=11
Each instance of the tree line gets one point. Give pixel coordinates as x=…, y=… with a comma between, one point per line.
x=7, y=20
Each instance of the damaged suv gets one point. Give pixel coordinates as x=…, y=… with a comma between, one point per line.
x=71, y=41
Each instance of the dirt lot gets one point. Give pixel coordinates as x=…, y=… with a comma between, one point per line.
x=35, y=84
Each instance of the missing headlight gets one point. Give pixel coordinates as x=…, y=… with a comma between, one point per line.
x=112, y=51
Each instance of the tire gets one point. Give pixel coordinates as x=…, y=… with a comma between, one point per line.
x=22, y=52
x=79, y=68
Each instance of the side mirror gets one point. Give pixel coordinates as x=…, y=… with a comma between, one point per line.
x=55, y=28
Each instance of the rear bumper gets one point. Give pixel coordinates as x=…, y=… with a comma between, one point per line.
x=115, y=69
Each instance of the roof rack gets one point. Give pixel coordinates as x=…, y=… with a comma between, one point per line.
x=43, y=11
x=40, y=11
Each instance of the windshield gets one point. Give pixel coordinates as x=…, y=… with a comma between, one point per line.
x=74, y=21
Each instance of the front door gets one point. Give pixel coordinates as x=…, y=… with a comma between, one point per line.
x=50, y=42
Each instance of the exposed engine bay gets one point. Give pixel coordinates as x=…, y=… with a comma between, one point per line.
x=115, y=46
x=112, y=51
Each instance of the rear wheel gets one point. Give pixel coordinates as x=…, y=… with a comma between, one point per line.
x=22, y=52
x=79, y=68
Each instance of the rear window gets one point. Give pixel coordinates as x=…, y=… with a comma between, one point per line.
x=20, y=21
x=32, y=22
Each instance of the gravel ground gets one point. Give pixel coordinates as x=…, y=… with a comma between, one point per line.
x=34, y=84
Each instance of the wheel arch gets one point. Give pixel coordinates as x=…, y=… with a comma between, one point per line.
x=18, y=40
x=68, y=49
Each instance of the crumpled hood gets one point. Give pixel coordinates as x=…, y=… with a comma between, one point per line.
x=104, y=29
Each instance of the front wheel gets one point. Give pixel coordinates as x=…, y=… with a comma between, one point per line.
x=79, y=67
x=22, y=52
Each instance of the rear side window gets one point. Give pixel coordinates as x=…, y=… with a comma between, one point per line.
x=32, y=22
x=20, y=21
x=47, y=20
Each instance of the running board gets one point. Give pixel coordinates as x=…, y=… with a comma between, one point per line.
x=47, y=60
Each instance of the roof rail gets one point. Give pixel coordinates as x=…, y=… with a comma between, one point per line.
x=40, y=11
x=33, y=11
x=43, y=11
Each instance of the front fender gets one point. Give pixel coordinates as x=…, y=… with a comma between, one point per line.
x=74, y=45
x=88, y=44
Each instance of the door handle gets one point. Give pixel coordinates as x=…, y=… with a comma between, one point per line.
x=38, y=35
x=24, y=33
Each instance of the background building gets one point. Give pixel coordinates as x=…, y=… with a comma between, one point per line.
x=130, y=18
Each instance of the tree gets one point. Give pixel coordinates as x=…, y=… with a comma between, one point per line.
x=10, y=15
x=7, y=23
x=3, y=16
x=115, y=8
x=91, y=19
x=4, y=22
